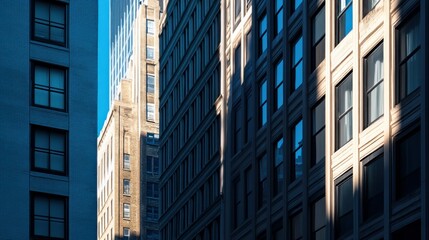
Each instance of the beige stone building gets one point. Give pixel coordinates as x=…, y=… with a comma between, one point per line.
x=128, y=165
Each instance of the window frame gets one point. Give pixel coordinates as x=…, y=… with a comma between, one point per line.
x=339, y=116
x=148, y=28
x=278, y=17
x=279, y=85
x=124, y=162
x=150, y=76
x=294, y=149
x=347, y=176
x=124, y=192
x=34, y=64
x=278, y=166
x=366, y=9
x=295, y=64
x=66, y=23
x=262, y=189
x=314, y=161
x=313, y=227
x=314, y=63
x=262, y=34
x=64, y=133
x=338, y=15
x=147, y=53
x=124, y=206
x=263, y=103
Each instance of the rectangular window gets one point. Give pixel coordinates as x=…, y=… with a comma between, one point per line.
x=262, y=181
x=49, y=150
x=249, y=112
x=297, y=64
x=318, y=219
x=127, y=165
x=48, y=216
x=409, y=56
x=344, y=207
x=407, y=164
x=263, y=106
x=296, y=226
x=237, y=67
x=152, y=190
x=278, y=21
x=278, y=85
x=296, y=164
x=150, y=114
x=127, y=189
x=237, y=8
x=278, y=167
x=368, y=5
x=295, y=5
x=152, y=165
x=238, y=140
x=344, y=106
x=318, y=133
x=238, y=210
x=344, y=19
x=127, y=210
x=318, y=38
x=277, y=230
x=249, y=188
x=49, y=86
x=152, y=213
x=152, y=138
x=126, y=233
x=263, y=35
x=373, y=84
x=150, y=83
x=373, y=183
x=410, y=231
x=248, y=46
x=150, y=53
x=49, y=23
x=150, y=26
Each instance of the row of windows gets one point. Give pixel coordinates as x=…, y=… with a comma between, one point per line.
x=200, y=156
x=105, y=220
x=196, y=206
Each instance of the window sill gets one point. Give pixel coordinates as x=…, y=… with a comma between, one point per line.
x=50, y=45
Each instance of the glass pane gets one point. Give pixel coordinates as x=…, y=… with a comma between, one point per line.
x=264, y=112
x=344, y=99
x=57, y=141
x=413, y=73
x=41, y=227
x=57, y=162
x=41, y=31
x=298, y=135
x=57, y=14
x=297, y=3
x=319, y=116
x=373, y=188
x=345, y=23
x=57, y=208
x=375, y=69
x=279, y=152
x=262, y=168
x=410, y=34
x=279, y=73
x=319, y=25
x=57, y=34
x=41, y=159
x=41, y=139
x=41, y=97
x=345, y=129
x=376, y=103
x=298, y=163
x=41, y=75
x=342, y=4
x=57, y=229
x=298, y=75
x=319, y=214
x=279, y=21
x=297, y=226
x=42, y=10
x=57, y=100
x=41, y=206
x=297, y=51
x=263, y=92
x=345, y=197
x=320, y=146
x=57, y=78
x=319, y=52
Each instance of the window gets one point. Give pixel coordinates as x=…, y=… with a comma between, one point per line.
x=150, y=26
x=126, y=233
x=238, y=210
x=49, y=86
x=126, y=161
x=150, y=114
x=278, y=21
x=372, y=192
x=48, y=216
x=49, y=23
x=277, y=230
x=410, y=231
x=127, y=210
x=249, y=112
x=296, y=226
x=344, y=19
x=296, y=164
x=278, y=85
x=295, y=5
x=152, y=190
x=263, y=35
x=344, y=207
x=344, y=102
x=278, y=167
x=152, y=138
x=318, y=219
x=368, y=5
x=152, y=235
x=249, y=188
x=262, y=181
x=409, y=56
x=237, y=67
x=49, y=150
x=126, y=183
x=237, y=8
x=248, y=46
x=150, y=83
x=238, y=114
x=263, y=106
x=152, y=165
x=150, y=53
x=318, y=38
x=373, y=84
x=152, y=213
x=297, y=65
x=407, y=164
x=318, y=133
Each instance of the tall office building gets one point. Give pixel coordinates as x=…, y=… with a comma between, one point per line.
x=323, y=120
x=48, y=126
x=128, y=165
x=191, y=114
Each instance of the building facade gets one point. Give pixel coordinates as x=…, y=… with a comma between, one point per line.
x=128, y=165
x=322, y=109
x=48, y=127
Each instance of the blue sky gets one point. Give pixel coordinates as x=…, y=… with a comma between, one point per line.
x=103, y=62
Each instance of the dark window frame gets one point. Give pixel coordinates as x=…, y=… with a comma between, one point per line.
x=278, y=188
x=314, y=161
x=347, y=176
x=339, y=116
x=366, y=9
x=279, y=85
x=65, y=153
x=262, y=34
x=294, y=149
x=313, y=229
x=263, y=188
x=338, y=16
x=294, y=65
x=262, y=103
x=278, y=15
x=314, y=45
x=49, y=23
